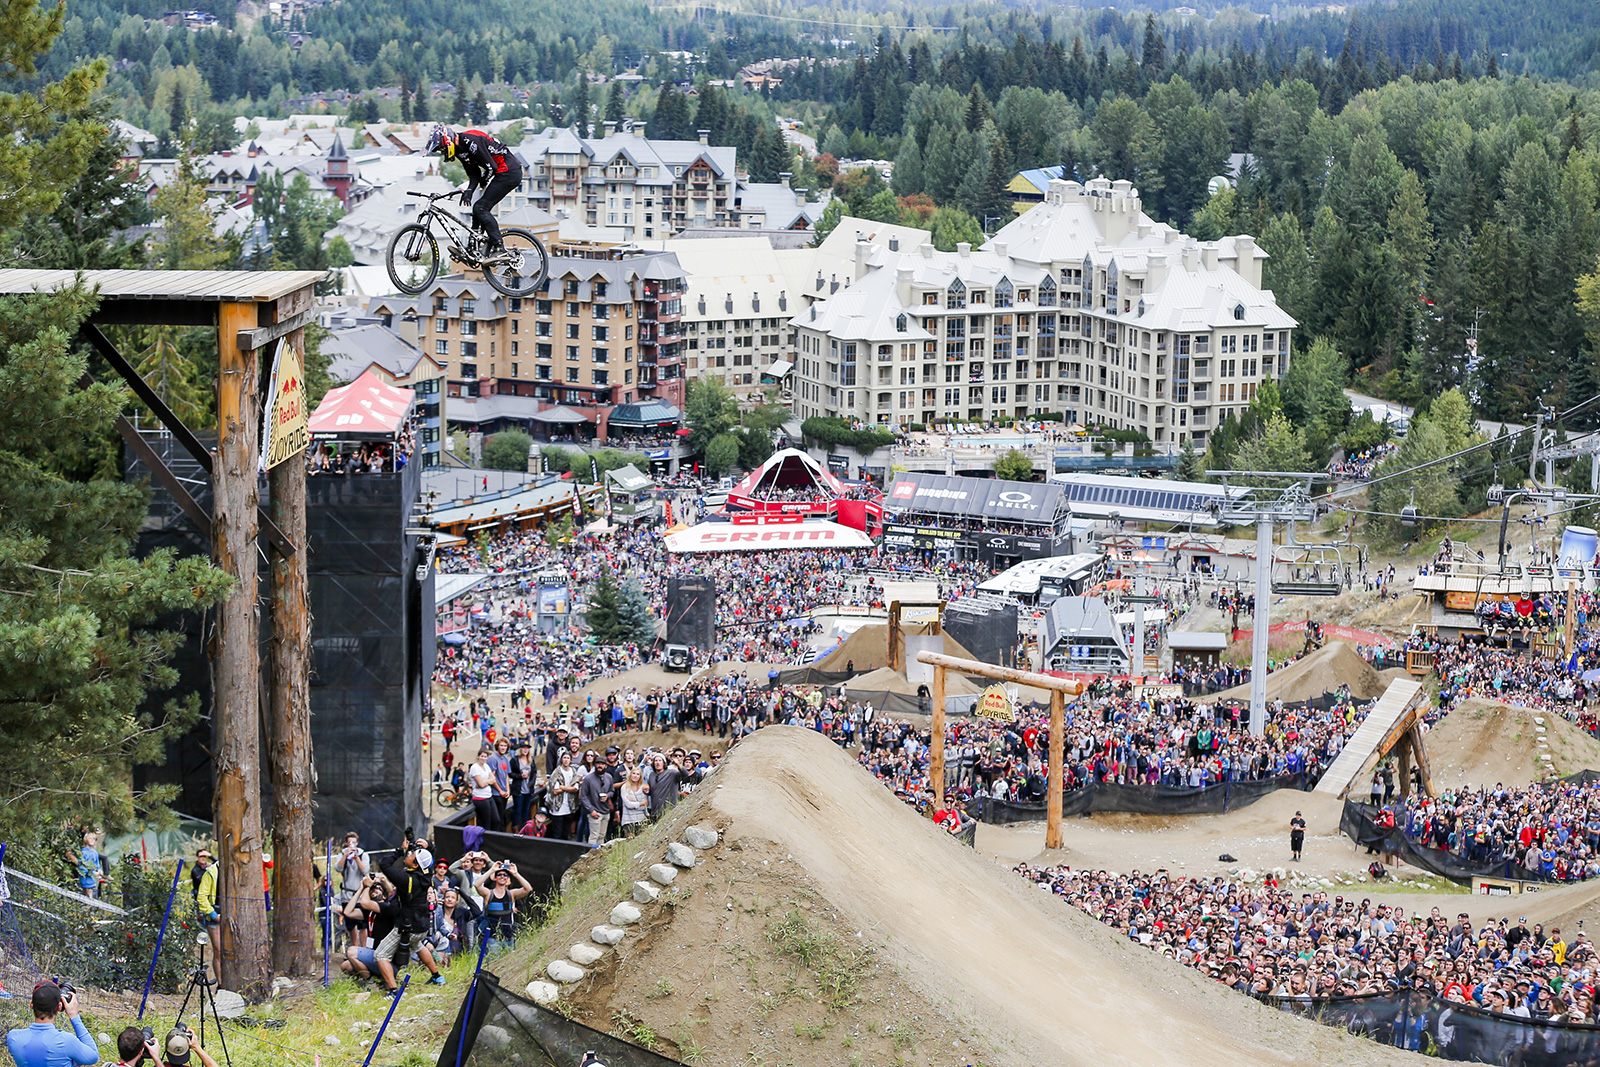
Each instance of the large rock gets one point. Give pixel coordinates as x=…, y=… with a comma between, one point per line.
x=564, y=971
x=584, y=955
x=680, y=855
x=607, y=935
x=229, y=1004
x=495, y=1037
x=700, y=837
x=664, y=873
x=625, y=914
x=645, y=893
x=541, y=992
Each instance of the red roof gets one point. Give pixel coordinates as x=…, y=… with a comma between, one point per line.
x=368, y=408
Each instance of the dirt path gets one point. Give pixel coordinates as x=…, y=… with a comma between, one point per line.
x=1485, y=743
x=1044, y=983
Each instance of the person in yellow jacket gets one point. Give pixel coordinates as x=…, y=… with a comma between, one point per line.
x=205, y=898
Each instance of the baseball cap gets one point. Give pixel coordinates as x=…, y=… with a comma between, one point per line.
x=177, y=1048
x=424, y=858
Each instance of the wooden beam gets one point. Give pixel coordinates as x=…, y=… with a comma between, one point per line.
x=164, y=475
x=936, y=740
x=1420, y=754
x=1053, y=790
x=236, y=663
x=1060, y=689
x=294, y=939
x=1070, y=686
x=176, y=426
x=262, y=336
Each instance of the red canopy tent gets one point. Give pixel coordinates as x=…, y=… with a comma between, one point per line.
x=368, y=409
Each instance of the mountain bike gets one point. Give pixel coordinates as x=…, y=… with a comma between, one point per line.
x=451, y=796
x=413, y=256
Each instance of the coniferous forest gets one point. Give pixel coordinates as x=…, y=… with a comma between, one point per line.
x=1425, y=175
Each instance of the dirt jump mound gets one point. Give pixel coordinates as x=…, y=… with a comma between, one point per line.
x=1325, y=670
x=1484, y=742
x=831, y=923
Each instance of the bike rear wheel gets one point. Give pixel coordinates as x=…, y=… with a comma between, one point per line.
x=412, y=259
x=528, y=272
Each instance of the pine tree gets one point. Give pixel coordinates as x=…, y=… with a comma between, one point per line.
x=458, y=106
x=978, y=110
x=580, y=104
x=604, y=616
x=558, y=112
x=405, y=98
x=614, y=102
x=908, y=180
x=420, y=110
x=635, y=618
x=73, y=676
x=1153, y=58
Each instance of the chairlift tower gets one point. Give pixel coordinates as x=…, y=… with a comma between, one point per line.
x=1261, y=508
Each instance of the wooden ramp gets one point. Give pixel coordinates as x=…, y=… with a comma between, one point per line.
x=1393, y=721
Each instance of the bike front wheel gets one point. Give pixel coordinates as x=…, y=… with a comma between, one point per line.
x=412, y=259
x=527, y=272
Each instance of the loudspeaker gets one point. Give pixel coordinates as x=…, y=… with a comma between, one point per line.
x=692, y=612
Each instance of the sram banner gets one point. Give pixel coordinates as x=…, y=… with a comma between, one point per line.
x=728, y=537
x=284, y=430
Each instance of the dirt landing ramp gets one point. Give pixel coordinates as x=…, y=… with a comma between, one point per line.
x=1042, y=983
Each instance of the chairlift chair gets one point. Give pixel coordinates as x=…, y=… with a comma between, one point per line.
x=1315, y=570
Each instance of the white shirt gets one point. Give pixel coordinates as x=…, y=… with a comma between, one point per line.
x=482, y=781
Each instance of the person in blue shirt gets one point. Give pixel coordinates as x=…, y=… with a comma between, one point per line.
x=42, y=1044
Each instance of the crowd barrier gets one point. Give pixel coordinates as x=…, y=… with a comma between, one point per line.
x=1141, y=799
x=1359, y=823
x=1450, y=1030
x=497, y=1028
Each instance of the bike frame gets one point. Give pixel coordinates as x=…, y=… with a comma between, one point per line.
x=455, y=230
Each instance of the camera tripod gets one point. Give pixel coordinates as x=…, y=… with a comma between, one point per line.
x=206, y=987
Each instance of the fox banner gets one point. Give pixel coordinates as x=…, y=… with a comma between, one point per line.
x=284, y=432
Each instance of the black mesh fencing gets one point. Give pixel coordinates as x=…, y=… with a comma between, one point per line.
x=1140, y=800
x=504, y=1030
x=1359, y=823
x=1450, y=1030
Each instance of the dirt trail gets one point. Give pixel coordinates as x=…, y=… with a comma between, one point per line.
x=1334, y=664
x=1483, y=742
x=963, y=931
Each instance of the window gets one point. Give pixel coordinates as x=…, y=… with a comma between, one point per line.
x=601, y=355
x=441, y=347
x=601, y=311
x=469, y=306
x=601, y=333
x=441, y=325
x=514, y=371
x=544, y=307
x=542, y=329
x=1003, y=293
x=572, y=374
x=469, y=350
x=956, y=295
x=469, y=328
x=572, y=331
x=573, y=310
x=469, y=371
x=1238, y=312
x=602, y=377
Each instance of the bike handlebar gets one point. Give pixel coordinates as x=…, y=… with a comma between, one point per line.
x=434, y=196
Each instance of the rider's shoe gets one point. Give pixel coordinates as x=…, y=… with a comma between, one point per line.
x=498, y=255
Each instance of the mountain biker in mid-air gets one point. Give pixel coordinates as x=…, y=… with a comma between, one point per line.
x=491, y=166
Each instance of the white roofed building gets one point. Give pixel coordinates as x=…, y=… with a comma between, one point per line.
x=1083, y=305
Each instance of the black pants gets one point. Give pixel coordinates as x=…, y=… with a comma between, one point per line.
x=493, y=193
x=488, y=809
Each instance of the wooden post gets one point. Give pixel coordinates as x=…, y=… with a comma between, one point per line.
x=936, y=740
x=1572, y=615
x=289, y=723
x=1403, y=751
x=1058, y=727
x=236, y=673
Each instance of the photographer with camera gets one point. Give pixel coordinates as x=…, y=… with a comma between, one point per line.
x=500, y=901
x=409, y=873
x=182, y=1045
x=136, y=1046
x=42, y=1044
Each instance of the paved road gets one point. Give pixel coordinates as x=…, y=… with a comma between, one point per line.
x=1362, y=403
